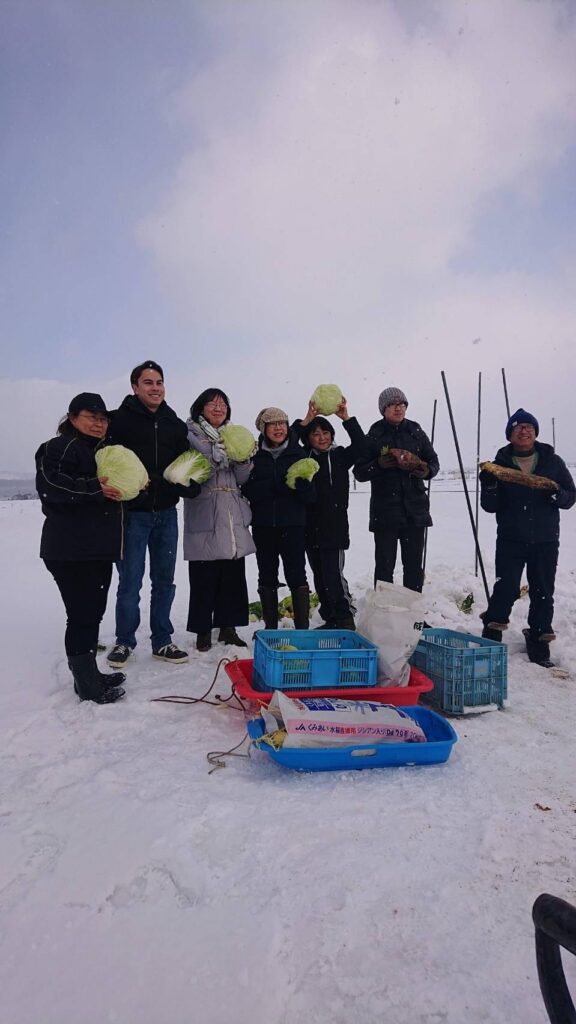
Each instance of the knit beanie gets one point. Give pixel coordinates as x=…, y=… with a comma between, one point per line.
x=390, y=396
x=521, y=416
x=270, y=415
x=318, y=421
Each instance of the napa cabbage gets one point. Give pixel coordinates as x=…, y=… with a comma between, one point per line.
x=304, y=469
x=123, y=470
x=238, y=442
x=327, y=398
x=191, y=465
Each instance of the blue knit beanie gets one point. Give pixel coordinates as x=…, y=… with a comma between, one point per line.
x=521, y=416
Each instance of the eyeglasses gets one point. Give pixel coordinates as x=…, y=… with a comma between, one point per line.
x=216, y=403
x=277, y=423
x=94, y=417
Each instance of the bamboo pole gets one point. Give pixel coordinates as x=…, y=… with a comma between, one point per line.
x=428, y=486
x=465, y=485
x=505, y=392
x=478, y=466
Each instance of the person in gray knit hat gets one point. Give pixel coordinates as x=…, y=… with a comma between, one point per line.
x=399, y=458
x=391, y=396
x=271, y=414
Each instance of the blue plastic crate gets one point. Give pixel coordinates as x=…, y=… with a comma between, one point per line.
x=467, y=671
x=440, y=738
x=325, y=658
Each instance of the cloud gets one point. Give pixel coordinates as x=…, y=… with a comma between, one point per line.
x=330, y=183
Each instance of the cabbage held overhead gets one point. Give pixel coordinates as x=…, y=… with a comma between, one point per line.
x=327, y=399
x=238, y=442
x=189, y=466
x=304, y=469
x=123, y=470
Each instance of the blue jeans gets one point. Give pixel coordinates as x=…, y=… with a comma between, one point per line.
x=157, y=532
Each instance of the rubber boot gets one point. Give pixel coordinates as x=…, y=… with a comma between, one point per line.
x=269, y=602
x=346, y=622
x=110, y=678
x=228, y=635
x=492, y=634
x=301, y=607
x=538, y=650
x=87, y=682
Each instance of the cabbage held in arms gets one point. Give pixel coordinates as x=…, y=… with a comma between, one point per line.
x=327, y=398
x=191, y=465
x=238, y=442
x=123, y=470
x=304, y=469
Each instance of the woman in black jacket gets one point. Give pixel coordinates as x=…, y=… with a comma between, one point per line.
x=327, y=531
x=279, y=517
x=400, y=457
x=81, y=538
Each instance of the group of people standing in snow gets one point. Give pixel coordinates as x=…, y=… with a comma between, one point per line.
x=246, y=507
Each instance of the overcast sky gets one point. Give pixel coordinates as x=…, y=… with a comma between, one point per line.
x=265, y=195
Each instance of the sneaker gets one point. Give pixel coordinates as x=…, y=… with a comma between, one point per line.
x=119, y=655
x=170, y=653
x=228, y=635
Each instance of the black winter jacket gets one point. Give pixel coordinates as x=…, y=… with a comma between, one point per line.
x=273, y=503
x=523, y=513
x=81, y=524
x=157, y=438
x=327, y=517
x=398, y=498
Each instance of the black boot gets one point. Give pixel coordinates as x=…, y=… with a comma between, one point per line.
x=492, y=634
x=538, y=650
x=346, y=622
x=110, y=678
x=228, y=635
x=269, y=602
x=301, y=607
x=87, y=681
x=204, y=641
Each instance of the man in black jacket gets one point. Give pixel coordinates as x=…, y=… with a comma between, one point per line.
x=400, y=457
x=150, y=428
x=525, y=487
x=327, y=531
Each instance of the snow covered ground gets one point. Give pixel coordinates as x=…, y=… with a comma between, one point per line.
x=138, y=889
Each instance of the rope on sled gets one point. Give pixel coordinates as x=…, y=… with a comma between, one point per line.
x=214, y=757
x=175, y=698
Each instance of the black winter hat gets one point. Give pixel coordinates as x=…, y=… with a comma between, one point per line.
x=521, y=416
x=318, y=421
x=89, y=402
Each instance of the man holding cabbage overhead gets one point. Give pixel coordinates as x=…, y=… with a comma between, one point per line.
x=150, y=428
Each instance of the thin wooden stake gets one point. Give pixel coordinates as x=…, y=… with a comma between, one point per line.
x=428, y=486
x=478, y=466
x=505, y=392
x=465, y=485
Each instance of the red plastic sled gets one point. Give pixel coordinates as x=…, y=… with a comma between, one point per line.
x=240, y=675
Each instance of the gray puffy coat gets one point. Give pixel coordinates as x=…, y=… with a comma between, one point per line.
x=216, y=522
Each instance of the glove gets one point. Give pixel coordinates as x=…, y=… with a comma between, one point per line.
x=387, y=462
x=302, y=485
x=220, y=456
x=554, y=499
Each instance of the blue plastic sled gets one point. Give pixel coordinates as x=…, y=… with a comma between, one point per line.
x=440, y=738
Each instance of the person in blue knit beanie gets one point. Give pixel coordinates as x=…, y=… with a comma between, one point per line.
x=525, y=487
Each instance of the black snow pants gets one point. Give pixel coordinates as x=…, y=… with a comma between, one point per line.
x=540, y=561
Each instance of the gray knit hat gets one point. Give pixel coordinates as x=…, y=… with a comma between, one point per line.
x=270, y=415
x=391, y=396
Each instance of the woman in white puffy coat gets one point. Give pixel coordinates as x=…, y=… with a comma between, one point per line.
x=216, y=534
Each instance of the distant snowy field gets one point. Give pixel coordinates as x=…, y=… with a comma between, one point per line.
x=138, y=889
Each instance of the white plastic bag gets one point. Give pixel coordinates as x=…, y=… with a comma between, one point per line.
x=328, y=721
x=392, y=617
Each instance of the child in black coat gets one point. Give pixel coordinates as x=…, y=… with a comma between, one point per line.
x=327, y=532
